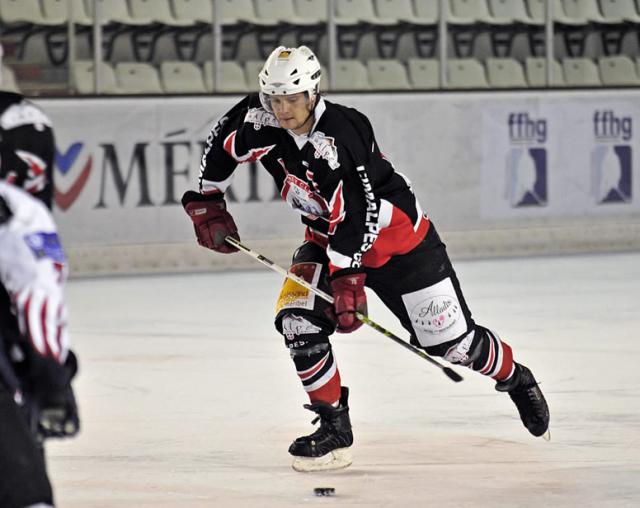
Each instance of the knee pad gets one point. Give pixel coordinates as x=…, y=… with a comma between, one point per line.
x=466, y=349
x=301, y=336
x=461, y=351
x=299, y=312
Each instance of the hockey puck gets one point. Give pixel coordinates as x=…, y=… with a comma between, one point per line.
x=324, y=491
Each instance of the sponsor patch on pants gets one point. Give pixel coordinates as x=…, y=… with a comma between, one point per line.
x=292, y=294
x=435, y=313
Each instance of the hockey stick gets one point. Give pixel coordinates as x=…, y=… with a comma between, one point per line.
x=450, y=373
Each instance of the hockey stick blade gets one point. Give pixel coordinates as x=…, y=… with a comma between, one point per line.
x=450, y=373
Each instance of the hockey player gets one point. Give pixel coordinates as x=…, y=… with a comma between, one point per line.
x=27, y=131
x=36, y=365
x=364, y=227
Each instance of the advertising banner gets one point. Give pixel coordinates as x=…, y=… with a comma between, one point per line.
x=565, y=158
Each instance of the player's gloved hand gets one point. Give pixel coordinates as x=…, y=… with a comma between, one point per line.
x=348, y=297
x=211, y=220
x=52, y=412
x=59, y=418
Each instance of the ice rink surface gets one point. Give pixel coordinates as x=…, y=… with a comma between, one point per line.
x=189, y=399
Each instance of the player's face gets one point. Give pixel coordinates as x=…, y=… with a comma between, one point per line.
x=293, y=111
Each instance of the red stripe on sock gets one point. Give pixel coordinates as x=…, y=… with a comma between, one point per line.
x=507, y=363
x=328, y=392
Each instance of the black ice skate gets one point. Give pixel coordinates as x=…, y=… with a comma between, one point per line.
x=328, y=447
x=527, y=396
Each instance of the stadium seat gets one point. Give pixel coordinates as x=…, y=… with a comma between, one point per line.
x=536, y=70
x=312, y=10
x=59, y=10
x=251, y=70
x=387, y=75
x=8, y=82
x=618, y=70
x=469, y=12
x=82, y=72
x=573, y=30
x=232, y=77
x=280, y=11
x=585, y=10
x=197, y=15
x=116, y=11
x=466, y=73
x=181, y=77
x=24, y=19
x=469, y=18
x=351, y=75
x=505, y=73
x=624, y=10
x=356, y=18
x=425, y=29
x=117, y=21
x=537, y=11
x=26, y=11
x=401, y=13
x=158, y=11
x=239, y=19
x=138, y=78
x=193, y=11
x=424, y=73
x=512, y=11
x=395, y=10
x=580, y=72
x=624, y=18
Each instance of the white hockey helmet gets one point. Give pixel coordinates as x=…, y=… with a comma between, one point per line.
x=288, y=71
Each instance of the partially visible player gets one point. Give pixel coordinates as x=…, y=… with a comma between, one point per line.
x=29, y=146
x=36, y=364
x=364, y=227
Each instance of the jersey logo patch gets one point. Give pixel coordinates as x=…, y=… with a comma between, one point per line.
x=24, y=113
x=45, y=245
x=298, y=194
x=259, y=117
x=325, y=148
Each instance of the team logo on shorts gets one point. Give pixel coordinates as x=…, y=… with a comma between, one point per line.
x=435, y=313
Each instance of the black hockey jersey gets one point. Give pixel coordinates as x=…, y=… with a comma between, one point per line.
x=27, y=146
x=350, y=197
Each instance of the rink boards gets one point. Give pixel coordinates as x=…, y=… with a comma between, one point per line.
x=499, y=173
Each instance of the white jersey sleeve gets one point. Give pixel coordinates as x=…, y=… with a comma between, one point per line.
x=33, y=270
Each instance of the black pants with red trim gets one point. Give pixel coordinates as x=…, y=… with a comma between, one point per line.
x=424, y=266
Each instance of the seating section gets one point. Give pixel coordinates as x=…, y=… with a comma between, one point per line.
x=166, y=46
x=177, y=77
x=8, y=81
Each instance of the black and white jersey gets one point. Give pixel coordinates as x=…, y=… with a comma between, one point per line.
x=349, y=195
x=27, y=146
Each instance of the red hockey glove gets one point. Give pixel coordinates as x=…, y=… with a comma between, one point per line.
x=211, y=220
x=349, y=297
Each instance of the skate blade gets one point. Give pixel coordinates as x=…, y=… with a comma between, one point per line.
x=337, y=459
x=547, y=435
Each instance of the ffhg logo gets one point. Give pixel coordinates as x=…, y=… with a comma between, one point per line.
x=526, y=161
x=611, y=157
